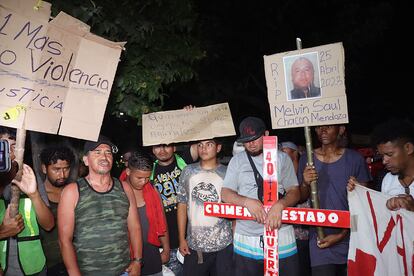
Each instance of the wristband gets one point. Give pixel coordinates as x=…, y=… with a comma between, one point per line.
x=138, y=260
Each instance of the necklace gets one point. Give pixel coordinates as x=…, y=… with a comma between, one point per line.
x=407, y=184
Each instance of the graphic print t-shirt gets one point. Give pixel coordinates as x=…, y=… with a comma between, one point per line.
x=204, y=233
x=166, y=182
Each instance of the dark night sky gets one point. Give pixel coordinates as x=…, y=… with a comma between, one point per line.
x=236, y=35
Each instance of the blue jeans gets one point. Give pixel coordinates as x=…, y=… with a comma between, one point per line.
x=174, y=264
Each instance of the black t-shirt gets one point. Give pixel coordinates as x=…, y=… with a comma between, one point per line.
x=166, y=180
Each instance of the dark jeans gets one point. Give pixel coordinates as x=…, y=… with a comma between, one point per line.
x=304, y=257
x=213, y=264
x=330, y=270
x=174, y=264
x=249, y=267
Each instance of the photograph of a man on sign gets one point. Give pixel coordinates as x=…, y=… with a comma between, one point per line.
x=302, y=80
x=306, y=87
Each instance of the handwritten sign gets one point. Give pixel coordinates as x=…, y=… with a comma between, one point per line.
x=60, y=72
x=187, y=125
x=307, y=87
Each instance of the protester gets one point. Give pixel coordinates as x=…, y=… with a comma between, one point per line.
x=292, y=150
x=24, y=255
x=56, y=166
x=151, y=214
x=333, y=167
x=394, y=140
x=205, y=242
x=9, y=227
x=301, y=231
x=303, y=80
x=96, y=216
x=241, y=187
x=165, y=177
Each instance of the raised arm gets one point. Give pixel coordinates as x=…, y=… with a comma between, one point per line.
x=28, y=186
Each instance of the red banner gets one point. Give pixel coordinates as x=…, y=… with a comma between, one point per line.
x=314, y=217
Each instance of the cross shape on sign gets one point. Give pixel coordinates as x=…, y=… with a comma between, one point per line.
x=315, y=217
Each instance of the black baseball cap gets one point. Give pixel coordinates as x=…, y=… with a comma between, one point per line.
x=90, y=145
x=250, y=129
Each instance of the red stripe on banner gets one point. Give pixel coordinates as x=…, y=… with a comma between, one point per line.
x=290, y=215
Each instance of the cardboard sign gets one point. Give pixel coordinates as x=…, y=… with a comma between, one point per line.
x=307, y=87
x=55, y=76
x=290, y=215
x=175, y=126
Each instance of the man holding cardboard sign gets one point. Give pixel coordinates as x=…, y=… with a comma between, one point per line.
x=333, y=167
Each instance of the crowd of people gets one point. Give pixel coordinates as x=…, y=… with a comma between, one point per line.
x=150, y=220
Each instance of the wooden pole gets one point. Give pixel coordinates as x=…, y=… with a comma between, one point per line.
x=309, y=153
x=19, y=152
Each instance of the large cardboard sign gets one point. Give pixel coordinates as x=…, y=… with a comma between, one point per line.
x=381, y=241
x=55, y=76
x=307, y=87
x=175, y=126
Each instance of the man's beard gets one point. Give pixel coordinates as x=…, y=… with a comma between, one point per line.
x=59, y=184
x=257, y=153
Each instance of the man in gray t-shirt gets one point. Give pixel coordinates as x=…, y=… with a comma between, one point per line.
x=240, y=187
x=205, y=242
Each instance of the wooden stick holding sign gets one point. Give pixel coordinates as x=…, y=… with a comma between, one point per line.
x=9, y=115
x=309, y=152
x=19, y=152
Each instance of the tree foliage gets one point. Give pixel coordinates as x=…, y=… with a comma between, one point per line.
x=161, y=48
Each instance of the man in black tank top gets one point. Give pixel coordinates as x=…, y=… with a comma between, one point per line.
x=56, y=166
x=98, y=219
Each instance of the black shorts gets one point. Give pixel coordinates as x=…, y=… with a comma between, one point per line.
x=213, y=263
